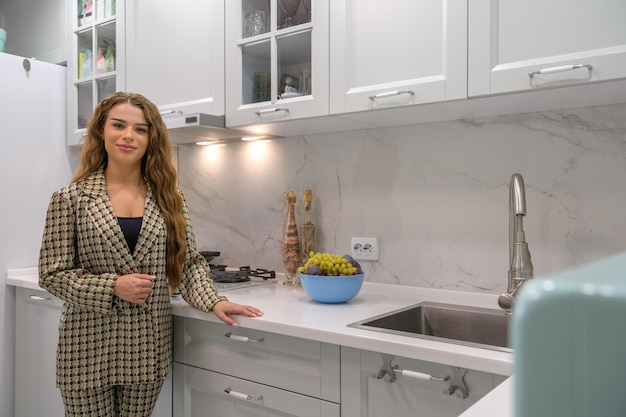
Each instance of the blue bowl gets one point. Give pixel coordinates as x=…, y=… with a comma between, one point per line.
x=331, y=289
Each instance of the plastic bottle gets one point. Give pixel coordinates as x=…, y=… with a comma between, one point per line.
x=100, y=62
x=87, y=63
x=109, y=59
x=109, y=8
x=81, y=12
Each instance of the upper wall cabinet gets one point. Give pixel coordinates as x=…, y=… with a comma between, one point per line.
x=175, y=53
x=396, y=53
x=277, y=60
x=534, y=44
x=96, y=61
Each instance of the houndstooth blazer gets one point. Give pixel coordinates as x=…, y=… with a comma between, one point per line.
x=104, y=340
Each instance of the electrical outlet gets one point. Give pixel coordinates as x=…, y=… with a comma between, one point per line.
x=365, y=248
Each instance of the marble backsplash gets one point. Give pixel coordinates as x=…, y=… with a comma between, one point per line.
x=435, y=195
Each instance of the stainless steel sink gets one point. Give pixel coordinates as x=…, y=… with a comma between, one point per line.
x=471, y=326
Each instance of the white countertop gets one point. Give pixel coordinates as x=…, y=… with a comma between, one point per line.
x=289, y=311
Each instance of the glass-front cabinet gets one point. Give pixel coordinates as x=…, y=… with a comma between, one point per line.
x=96, y=61
x=276, y=60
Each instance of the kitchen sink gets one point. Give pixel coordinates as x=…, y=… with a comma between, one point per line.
x=471, y=326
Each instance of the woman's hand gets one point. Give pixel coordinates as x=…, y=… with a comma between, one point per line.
x=134, y=287
x=223, y=310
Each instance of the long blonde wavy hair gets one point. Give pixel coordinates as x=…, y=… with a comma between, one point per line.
x=156, y=167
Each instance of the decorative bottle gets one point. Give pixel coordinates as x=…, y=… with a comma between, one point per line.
x=308, y=226
x=290, y=244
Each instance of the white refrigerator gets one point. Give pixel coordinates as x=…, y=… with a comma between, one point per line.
x=34, y=161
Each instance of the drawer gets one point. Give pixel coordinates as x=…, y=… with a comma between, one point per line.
x=300, y=365
x=198, y=392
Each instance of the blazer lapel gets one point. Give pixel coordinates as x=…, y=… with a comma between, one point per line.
x=151, y=230
x=103, y=216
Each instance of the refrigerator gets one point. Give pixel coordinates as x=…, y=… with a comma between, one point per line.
x=34, y=162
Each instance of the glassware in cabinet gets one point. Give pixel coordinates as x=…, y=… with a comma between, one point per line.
x=293, y=13
x=264, y=31
x=93, y=70
x=292, y=54
x=294, y=61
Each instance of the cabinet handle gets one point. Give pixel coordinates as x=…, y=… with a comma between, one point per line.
x=274, y=110
x=34, y=297
x=242, y=396
x=421, y=375
x=561, y=68
x=391, y=94
x=170, y=113
x=243, y=338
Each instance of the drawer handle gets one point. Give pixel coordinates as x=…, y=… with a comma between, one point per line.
x=561, y=68
x=243, y=338
x=242, y=396
x=391, y=94
x=274, y=110
x=34, y=297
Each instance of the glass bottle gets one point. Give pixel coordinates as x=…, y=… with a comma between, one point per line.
x=308, y=226
x=290, y=244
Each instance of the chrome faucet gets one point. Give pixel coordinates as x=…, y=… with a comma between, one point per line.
x=520, y=265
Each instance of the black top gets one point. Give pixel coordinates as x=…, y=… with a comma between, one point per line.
x=131, y=226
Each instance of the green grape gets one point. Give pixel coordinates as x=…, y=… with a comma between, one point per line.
x=329, y=264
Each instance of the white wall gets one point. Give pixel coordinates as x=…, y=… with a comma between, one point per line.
x=35, y=29
x=436, y=195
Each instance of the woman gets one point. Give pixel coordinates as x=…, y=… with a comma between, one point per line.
x=116, y=241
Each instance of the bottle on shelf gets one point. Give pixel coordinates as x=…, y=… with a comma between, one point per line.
x=86, y=67
x=88, y=11
x=100, y=62
x=109, y=59
x=308, y=226
x=109, y=8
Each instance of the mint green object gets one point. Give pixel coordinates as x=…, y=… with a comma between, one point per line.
x=569, y=338
x=3, y=38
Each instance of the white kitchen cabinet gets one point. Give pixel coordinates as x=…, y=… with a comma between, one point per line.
x=175, y=54
x=96, y=60
x=220, y=370
x=364, y=394
x=37, y=315
x=509, y=40
x=277, y=60
x=396, y=53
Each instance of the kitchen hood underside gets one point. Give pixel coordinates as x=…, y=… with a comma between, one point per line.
x=197, y=127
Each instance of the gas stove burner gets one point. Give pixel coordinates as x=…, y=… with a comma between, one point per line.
x=219, y=273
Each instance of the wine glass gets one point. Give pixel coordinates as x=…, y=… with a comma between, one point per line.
x=286, y=11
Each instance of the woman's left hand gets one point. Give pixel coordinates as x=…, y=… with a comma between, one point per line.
x=224, y=309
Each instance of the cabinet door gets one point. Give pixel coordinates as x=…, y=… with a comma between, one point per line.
x=396, y=53
x=37, y=316
x=198, y=392
x=278, y=69
x=508, y=40
x=176, y=54
x=364, y=395
x=96, y=64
